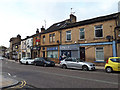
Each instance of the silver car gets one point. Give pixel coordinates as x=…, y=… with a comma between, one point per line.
x=77, y=64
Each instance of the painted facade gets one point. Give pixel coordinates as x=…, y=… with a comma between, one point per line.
x=26, y=47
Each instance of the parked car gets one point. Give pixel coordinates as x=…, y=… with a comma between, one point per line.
x=26, y=60
x=77, y=64
x=112, y=64
x=43, y=62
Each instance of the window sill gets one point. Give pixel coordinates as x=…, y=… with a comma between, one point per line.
x=52, y=42
x=96, y=38
x=68, y=41
x=99, y=61
x=81, y=39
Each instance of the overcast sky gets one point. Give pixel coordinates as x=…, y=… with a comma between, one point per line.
x=24, y=16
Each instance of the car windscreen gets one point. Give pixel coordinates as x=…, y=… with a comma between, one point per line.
x=79, y=60
x=29, y=58
x=115, y=60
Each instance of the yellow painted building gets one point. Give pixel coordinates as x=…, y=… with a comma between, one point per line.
x=92, y=40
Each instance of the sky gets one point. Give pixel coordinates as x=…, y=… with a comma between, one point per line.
x=25, y=16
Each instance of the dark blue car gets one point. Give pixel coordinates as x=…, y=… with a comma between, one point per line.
x=43, y=62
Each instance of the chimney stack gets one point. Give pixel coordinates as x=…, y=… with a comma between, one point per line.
x=72, y=18
x=37, y=31
x=42, y=29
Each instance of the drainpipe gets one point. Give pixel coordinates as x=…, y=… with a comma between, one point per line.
x=60, y=42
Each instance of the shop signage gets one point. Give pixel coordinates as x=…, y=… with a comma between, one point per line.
x=69, y=47
x=52, y=48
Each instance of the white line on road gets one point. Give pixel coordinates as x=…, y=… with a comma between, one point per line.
x=9, y=74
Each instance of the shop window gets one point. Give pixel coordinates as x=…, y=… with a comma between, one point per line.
x=82, y=33
x=98, y=31
x=68, y=35
x=52, y=54
x=99, y=54
x=66, y=53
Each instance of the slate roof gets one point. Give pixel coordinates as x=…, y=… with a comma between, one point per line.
x=66, y=23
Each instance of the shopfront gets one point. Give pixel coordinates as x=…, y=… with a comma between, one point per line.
x=70, y=50
x=52, y=52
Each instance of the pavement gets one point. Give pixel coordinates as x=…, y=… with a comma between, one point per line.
x=6, y=81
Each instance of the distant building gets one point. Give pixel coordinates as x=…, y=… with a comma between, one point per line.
x=26, y=46
x=2, y=51
x=14, y=52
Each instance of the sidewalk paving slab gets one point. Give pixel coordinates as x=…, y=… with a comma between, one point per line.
x=7, y=82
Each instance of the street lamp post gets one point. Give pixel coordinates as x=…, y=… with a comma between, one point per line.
x=116, y=28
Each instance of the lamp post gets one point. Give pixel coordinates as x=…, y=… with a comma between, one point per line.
x=116, y=28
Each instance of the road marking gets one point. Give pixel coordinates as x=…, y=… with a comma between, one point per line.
x=23, y=83
x=9, y=74
x=101, y=81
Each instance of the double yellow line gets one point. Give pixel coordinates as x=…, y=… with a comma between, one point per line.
x=23, y=83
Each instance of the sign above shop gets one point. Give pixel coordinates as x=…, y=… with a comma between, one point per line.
x=52, y=48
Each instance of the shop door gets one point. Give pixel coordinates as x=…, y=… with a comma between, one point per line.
x=43, y=53
x=82, y=53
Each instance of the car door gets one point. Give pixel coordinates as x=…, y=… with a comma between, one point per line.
x=72, y=63
x=115, y=63
x=76, y=63
x=68, y=62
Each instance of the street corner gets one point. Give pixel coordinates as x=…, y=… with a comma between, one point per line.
x=8, y=82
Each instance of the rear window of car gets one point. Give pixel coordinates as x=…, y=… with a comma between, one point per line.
x=115, y=60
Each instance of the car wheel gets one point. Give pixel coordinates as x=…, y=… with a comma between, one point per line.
x=45, y=65
x=64, y=66
x=108, y=69
x=85, y=68
x=26, y=63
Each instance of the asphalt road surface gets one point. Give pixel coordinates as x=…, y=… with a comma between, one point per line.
x=56, y=77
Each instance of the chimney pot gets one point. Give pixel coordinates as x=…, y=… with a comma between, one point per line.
x=37, y=31
x=42, y=29
x=72, y=18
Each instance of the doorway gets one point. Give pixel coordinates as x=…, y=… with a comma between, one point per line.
x=43, y=53
x=82, y=53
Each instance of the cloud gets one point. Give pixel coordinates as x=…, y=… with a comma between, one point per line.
x=24, y=16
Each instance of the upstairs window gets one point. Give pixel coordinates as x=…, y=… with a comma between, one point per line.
x=98, y=31
x=53, y=37
x=68, y=35
x=50, y=37
x=82, y=33
x=44, y=39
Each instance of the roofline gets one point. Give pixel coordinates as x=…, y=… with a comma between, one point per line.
x=88, y=21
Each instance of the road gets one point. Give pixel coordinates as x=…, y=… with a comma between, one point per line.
x=56, y=77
